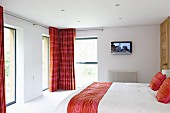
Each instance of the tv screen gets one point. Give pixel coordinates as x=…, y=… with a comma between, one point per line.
x=121, y=47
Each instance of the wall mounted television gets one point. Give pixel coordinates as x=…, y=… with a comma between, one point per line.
x=121, y=47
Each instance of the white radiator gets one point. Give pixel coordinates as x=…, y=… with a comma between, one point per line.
x=121, y=76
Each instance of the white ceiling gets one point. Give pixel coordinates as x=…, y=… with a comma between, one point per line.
x=90, y=13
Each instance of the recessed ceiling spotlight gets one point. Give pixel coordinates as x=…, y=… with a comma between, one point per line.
x=63, y=10
x=117, y=4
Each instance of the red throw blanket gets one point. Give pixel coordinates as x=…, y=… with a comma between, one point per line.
x=88, y=99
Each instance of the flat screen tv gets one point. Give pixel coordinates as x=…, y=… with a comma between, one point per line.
x=121, y=47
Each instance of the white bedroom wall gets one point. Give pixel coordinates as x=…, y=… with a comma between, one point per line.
x=29, y=58
x=145, y=54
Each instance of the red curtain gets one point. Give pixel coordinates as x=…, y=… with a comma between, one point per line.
x=67, y=73
x=62, y=74
x=2, y=65
x=54, y=59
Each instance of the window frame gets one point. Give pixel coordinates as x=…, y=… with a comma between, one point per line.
x=44, y=89
x=88, y=38
x=15, y=34
x=87, y=62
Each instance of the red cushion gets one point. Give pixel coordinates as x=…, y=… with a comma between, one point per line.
x=163, y=94
x=157, y=80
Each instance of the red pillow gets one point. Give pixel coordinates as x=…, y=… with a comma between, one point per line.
x=163, y=94
x=157, y=80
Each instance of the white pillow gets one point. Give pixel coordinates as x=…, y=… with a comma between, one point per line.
x=167, y=72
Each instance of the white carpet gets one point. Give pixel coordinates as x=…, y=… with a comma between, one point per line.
x=44, y=104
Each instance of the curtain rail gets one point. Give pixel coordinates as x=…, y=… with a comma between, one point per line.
x=90, y=29
x=22, y=18
x=35, y=23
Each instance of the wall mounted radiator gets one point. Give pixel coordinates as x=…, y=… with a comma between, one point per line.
x=122, y=76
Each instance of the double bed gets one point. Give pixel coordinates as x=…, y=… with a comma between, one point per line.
x=124, y=98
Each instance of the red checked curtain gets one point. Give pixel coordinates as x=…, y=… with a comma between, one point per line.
x=2, y=65
x=62, y=74
x=67, y=73
x=54, y=59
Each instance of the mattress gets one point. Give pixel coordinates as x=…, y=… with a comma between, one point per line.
x=124, y=98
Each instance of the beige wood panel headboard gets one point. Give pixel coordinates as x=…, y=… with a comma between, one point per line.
x=122, y=76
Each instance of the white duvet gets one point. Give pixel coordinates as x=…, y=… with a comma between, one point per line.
x=124, y=98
